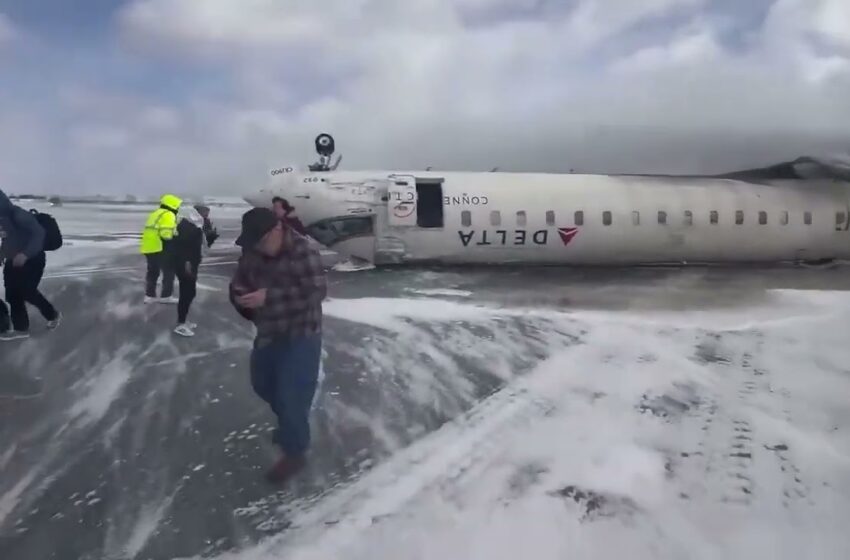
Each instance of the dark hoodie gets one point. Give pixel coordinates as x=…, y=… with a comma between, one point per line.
x=186, y=246
x=20, y=230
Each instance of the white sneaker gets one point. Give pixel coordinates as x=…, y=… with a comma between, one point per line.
x=14, y=335
x=172, y=299
x=191, y=325
x=55, y=322
x=149, y=299
x=183, y=330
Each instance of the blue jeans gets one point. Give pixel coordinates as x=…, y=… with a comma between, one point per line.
x=284, y=373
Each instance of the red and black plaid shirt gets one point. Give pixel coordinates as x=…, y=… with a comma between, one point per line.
x=295, y=283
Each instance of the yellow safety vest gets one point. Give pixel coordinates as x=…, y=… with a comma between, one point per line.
x=160, y=225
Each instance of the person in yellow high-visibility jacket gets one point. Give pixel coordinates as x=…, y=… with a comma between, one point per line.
x=160, y=229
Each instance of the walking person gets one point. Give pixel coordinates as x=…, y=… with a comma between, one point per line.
x=22, y=251
x=279, y=285
x=186, y=253
x=159, y=231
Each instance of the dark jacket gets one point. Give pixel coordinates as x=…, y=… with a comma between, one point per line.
x=20, y=230
x=186, y=245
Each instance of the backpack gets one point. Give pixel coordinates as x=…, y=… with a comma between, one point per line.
x=52, y=234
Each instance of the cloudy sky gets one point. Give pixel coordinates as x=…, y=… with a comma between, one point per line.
x=208, y=95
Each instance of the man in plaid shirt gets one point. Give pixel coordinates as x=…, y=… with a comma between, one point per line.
x=279, y=285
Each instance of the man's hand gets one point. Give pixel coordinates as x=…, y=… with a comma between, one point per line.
x=19, y=260
x=253, y=300
x=189, y=270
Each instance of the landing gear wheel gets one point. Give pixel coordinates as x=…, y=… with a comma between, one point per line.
x=325, y=144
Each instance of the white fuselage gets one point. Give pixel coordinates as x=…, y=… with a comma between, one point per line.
x=538, y=218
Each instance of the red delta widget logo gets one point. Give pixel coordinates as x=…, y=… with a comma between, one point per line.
x=516, y=237
x=567, y=234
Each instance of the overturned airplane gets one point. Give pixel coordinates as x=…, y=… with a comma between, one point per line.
x=796, y=211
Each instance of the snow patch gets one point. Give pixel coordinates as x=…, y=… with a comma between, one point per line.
x=102, y=389
x=443, y=292
x=685, y=435
x=9, y=500
x=349, y=265
x=389, y=313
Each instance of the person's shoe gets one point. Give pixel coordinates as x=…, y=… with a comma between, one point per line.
x=191, y=325
x=151, y=299
x=55, y=322
x=285, y=469
x=14, y=335
x=172, y=299
x=184, y=330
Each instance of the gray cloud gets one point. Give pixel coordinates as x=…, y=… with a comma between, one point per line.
x=456, y=84
x=7, y=29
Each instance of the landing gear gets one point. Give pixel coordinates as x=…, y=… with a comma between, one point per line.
x=325, y=145
x=325, y=148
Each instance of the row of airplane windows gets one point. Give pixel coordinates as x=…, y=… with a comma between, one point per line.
x=607, y=218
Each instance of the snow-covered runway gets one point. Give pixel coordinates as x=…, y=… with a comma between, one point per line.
x=638, y=437
x=462, y=413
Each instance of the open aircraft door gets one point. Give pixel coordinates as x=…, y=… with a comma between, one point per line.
x=401, y=201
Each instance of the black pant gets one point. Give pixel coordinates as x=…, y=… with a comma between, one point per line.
x=5, y=321
x=159, y=262
x=188, y=290
x=22, y=287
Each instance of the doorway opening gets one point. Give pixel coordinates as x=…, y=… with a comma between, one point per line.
x=429, y=208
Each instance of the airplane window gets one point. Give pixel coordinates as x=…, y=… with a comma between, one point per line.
x=713, y=217
x=807, y=218
x=762, y=217
x=636, y=218
x=739, y=217
x=550, y=218
x=783, y=218
x=606, y=217
x=334, y=230
x=579, y=218
x=466, y=218
x=689, y=218
x=495, y=218
x=520, y=218
x=662, y=217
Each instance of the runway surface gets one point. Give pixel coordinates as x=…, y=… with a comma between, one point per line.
x=462, y=413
